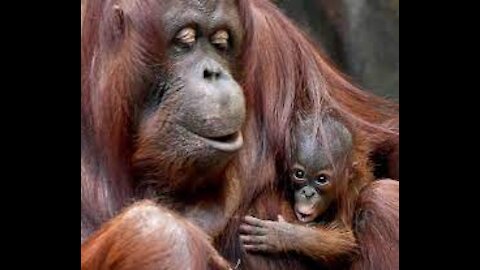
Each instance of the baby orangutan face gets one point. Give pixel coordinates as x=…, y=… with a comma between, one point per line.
x=314, y=192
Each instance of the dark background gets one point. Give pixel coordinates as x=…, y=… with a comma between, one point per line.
x=360, y=36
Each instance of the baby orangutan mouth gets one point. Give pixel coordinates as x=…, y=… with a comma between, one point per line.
x=305, y=214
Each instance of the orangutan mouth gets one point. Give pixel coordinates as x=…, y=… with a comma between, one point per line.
x=228, y=143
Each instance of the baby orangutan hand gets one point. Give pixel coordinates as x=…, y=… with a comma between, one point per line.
x=259, y=235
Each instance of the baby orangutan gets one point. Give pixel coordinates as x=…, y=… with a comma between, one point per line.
x=325, y=175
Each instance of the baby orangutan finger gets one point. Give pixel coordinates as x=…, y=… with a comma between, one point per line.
x=254, y=221
x=253, y=239
x=256, y=248
x=252, y=230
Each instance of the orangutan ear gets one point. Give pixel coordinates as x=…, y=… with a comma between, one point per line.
x=118, y=20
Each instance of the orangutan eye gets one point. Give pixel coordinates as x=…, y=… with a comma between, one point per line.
x=322, y=179
x=186, y=36
x=299, y=174
x=221, y=39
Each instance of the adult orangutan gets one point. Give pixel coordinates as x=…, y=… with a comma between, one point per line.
x=161, y=120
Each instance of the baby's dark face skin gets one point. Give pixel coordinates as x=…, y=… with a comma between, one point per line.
x=314, y=192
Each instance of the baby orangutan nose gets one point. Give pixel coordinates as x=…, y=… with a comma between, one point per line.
x=308, y=193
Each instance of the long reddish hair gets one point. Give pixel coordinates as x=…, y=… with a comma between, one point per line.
x=116, y=63
x=287, y=74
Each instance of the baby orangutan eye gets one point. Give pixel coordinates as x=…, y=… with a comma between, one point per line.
x=322, y=179
x=298, y=174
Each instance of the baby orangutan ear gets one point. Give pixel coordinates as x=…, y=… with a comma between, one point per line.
x=352, y=169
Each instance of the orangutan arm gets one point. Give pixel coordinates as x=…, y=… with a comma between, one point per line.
x=326, y=243
x=146, y=236
x=376, y=226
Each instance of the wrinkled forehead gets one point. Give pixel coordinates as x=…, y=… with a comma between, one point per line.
x=317, y=143
x=178, y=13
x=203, y=5
x=194, y=9
x=206, y=6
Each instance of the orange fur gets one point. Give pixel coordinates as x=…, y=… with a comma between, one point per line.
x=285, y=73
